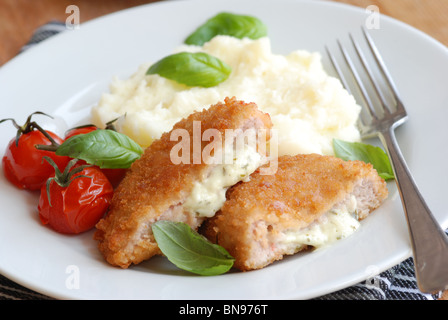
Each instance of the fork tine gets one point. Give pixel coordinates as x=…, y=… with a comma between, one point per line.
x=358, y=81
x=338, y=70
x=362, y=126
x=370, y=74
x=383, y=68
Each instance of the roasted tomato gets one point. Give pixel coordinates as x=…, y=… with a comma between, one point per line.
x=73, y=201
x=79, y=130
x=23, y=163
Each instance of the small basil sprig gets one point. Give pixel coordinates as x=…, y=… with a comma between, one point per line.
x=196, y=69
x=367, y=153
x=189, y=250
x=104, y=148
x=225, y=23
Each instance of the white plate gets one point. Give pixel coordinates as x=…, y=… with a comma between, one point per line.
x=66, y=75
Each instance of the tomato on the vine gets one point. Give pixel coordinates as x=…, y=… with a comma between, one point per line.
x=74, y=200
x=23, y=163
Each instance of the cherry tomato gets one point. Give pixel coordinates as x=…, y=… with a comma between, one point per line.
x=22, y=163
x=114, y=175
x=79, y=130
x=79, y=204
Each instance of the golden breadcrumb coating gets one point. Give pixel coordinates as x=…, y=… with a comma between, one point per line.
x=258, y=212
x=155, y=188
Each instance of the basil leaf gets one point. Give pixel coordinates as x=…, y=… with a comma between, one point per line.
x=189, y=250
x=238, y=26
x=193, y=69
x=104, y=148
x=367, y=153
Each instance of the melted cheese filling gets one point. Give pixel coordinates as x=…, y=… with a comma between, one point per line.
x=209, y=195
x=337, y=224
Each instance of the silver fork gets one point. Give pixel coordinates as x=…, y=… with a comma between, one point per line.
x=429, y=242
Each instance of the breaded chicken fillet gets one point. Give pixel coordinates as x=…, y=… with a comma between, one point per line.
x=311, y=201
x=165, y=185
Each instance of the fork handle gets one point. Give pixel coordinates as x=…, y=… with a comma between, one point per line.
x=429, y=242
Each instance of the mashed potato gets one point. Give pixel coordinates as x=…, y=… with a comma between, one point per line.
x=308, y=108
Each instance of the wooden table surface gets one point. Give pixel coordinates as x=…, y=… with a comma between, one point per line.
x=19, y=18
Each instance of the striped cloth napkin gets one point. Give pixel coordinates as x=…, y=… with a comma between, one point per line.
x=397, y=283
